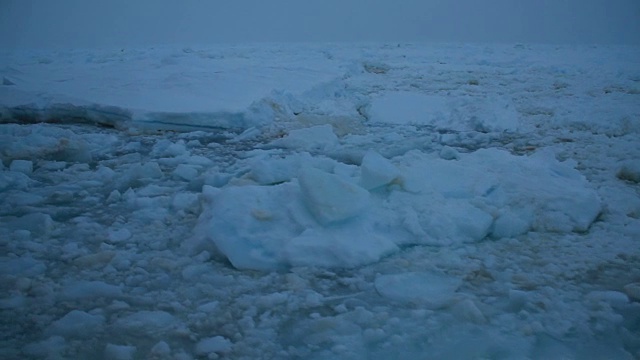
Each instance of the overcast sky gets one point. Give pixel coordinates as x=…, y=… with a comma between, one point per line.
x=119, y=23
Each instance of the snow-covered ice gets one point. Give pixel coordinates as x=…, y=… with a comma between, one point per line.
x=320, y=201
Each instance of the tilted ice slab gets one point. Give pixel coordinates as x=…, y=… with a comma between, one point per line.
x=323, y=213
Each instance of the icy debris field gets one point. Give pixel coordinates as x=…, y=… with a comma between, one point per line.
x=321, y=202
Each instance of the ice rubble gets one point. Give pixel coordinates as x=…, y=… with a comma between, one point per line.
x=319, y=212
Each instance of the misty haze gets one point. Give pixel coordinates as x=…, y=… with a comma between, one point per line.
x=73, y=23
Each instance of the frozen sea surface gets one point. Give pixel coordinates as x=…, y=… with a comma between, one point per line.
x=321, y=202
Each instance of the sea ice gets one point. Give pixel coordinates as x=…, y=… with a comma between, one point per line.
x=23, y=166
x=251, y=224
x=541, y=193
x=145, y=321
x=185, y=172
x=269, y=170
x=630, y=170
x=14, y=180
x=22, y=266
x=216, y=344
x=432, y=290
x=344, y=245
x=37, y=223
x=328, y=220
x=307, y=223
x=315, y=138
x=331, y=198
x=49, y=348
x=119, y=352
x=403, y=107
x=377, y=171
x=80, y=290
x=354, y=155
x=77, y=324
x=118, y=235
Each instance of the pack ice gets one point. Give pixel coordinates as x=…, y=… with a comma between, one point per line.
x=321, y=212
x=424, y=202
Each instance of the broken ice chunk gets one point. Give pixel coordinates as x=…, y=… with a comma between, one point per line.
x=377, y=171
x=331, y=198
x=315, y=138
